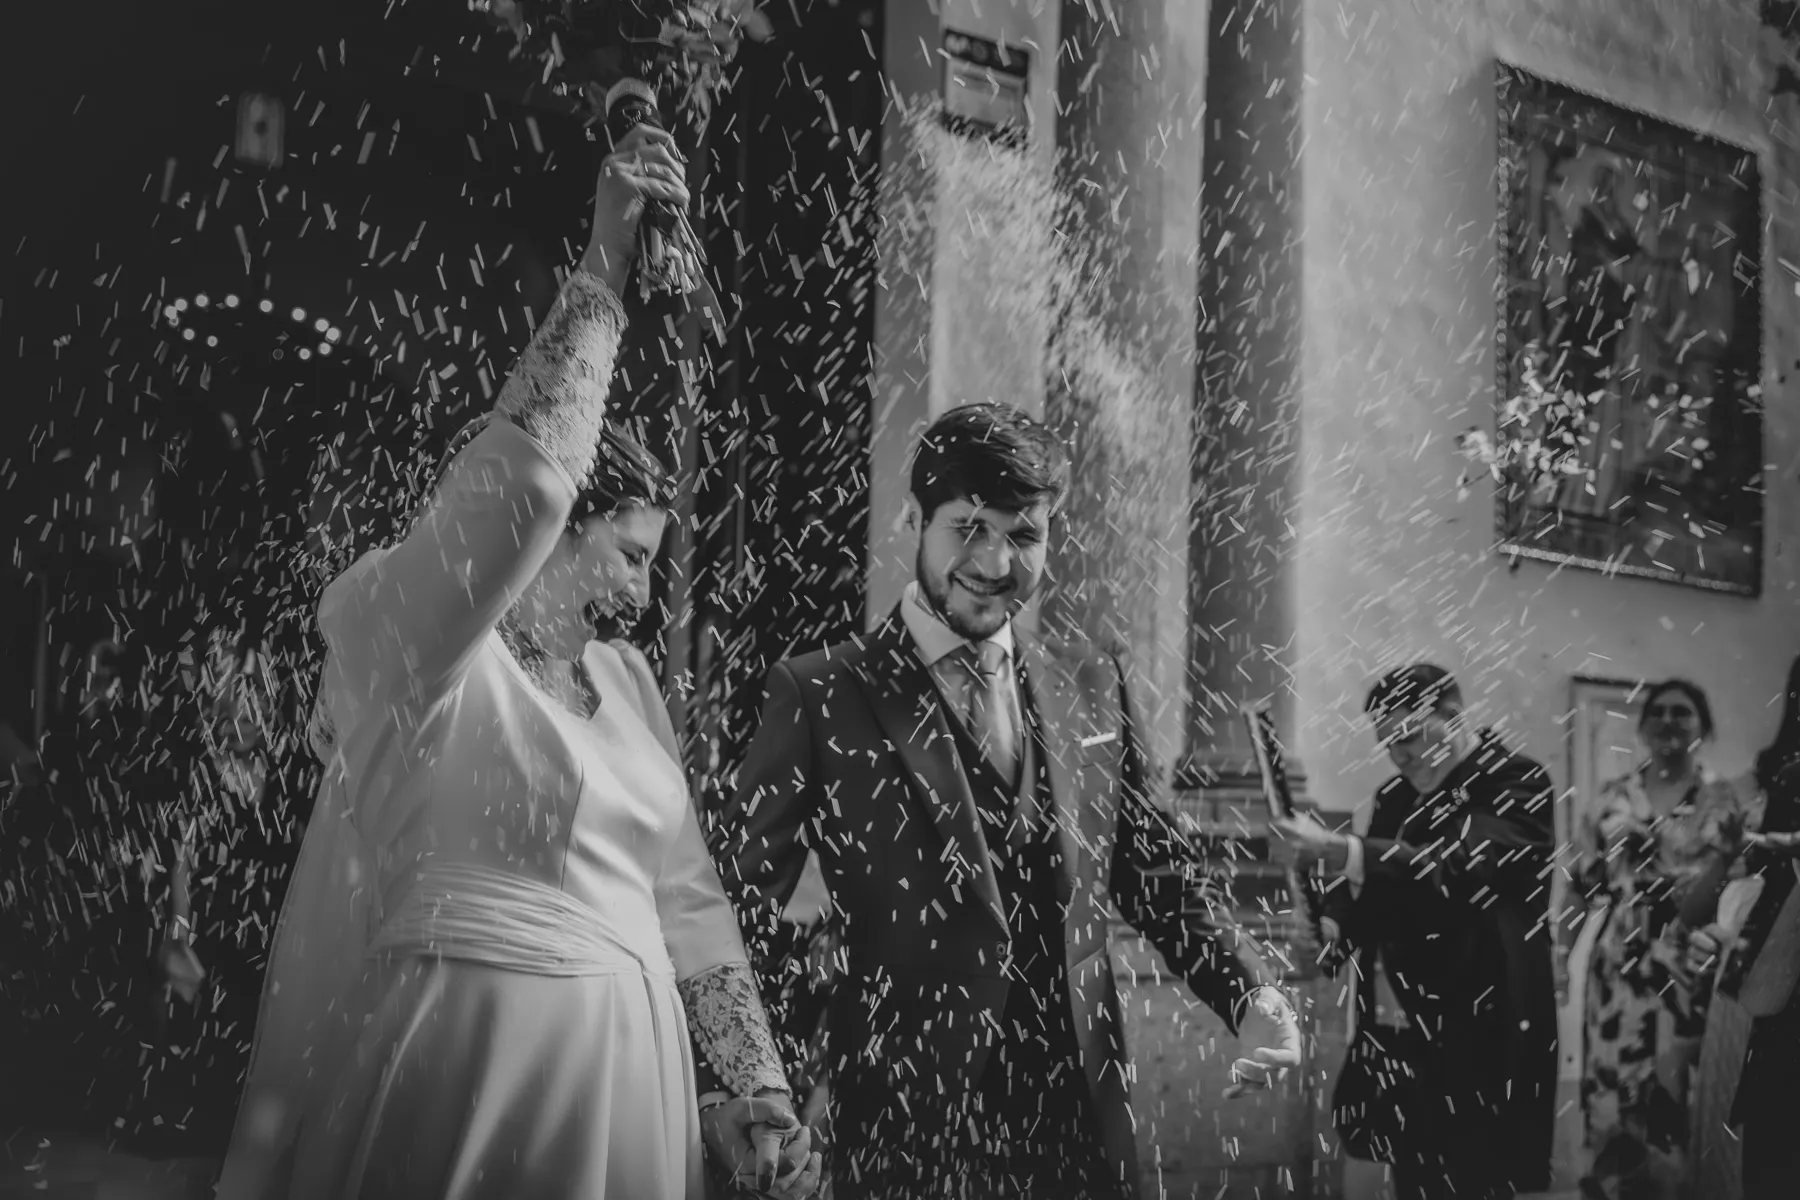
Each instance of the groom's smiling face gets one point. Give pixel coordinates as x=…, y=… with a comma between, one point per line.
x=978, y=566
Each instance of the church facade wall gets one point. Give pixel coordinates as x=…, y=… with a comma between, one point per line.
x=1400, y=265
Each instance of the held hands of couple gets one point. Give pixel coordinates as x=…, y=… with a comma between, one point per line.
x=645, y=167
x=1269, y=1038
x=764, y=1145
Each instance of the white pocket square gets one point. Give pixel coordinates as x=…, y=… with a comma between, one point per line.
x=1099, y=739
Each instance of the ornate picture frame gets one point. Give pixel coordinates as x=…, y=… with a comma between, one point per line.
x=1629, y=341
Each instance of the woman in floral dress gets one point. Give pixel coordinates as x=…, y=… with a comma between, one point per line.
x=1652, y=835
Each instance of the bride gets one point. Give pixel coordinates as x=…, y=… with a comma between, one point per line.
x=505, y=940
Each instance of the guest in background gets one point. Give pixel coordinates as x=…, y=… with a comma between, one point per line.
x=1767, y=1091
x=1653, y=835
x=1446, y=892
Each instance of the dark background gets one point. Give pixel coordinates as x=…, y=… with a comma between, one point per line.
x=157, y=490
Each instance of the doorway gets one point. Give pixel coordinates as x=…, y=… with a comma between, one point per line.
x=1602, y=745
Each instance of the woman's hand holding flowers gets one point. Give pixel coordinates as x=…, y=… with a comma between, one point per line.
x=645, y=167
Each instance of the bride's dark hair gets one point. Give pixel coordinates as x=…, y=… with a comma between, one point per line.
x=626, y=475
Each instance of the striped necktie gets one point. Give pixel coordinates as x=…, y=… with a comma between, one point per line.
x=990, y=705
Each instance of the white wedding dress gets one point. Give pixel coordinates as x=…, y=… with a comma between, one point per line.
x=504, y=916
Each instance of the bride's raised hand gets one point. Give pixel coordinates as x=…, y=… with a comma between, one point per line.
x=646, y=166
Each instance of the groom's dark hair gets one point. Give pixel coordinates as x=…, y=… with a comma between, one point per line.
x=990, y=454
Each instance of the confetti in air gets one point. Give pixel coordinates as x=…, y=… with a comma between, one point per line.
x=1376, y=332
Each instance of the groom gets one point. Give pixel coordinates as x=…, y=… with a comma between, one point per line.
x=978, y=800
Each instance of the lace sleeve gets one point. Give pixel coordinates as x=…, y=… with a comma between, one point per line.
x=557, y=391
x=728, y=1024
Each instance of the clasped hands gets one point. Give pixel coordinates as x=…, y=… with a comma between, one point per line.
x=764, y=1144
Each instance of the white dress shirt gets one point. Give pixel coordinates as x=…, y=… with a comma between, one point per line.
x=938, y=645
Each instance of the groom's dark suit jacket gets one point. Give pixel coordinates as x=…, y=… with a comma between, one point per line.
x=855, y=758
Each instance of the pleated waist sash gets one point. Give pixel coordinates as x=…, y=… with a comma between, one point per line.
x=498, y=919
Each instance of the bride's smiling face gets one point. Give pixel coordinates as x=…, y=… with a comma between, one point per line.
x=612, y=556
x=604, y=562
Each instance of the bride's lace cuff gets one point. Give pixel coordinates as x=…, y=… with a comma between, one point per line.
x=728, y=1023
x=557, y=391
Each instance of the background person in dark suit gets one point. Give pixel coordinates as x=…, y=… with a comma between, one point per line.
x=1449, y=889
x=1761, y=971
x=976, y=798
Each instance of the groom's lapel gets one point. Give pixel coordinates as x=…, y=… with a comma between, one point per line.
x=1054, y=696
x=906, y=705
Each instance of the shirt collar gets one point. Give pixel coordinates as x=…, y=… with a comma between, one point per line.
x=935, y=640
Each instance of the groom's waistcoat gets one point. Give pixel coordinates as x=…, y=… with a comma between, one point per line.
x=1032, y=1087
x=1023, y=858
x=1023, y=855
x=949, y=930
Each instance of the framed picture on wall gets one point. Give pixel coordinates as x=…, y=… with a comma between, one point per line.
x=1629, y=341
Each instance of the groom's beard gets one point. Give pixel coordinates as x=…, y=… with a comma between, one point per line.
x=936, y=595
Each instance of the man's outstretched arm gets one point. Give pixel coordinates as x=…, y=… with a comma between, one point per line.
x=1166, y=890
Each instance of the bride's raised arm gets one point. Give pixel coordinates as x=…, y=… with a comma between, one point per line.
x=418, y=613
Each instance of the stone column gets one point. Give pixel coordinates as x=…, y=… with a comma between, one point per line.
x=960, y=314
x=1246, y=404
x=1245, y=487
x=902, y=381
x=1129, y=84
x=1182, y=173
